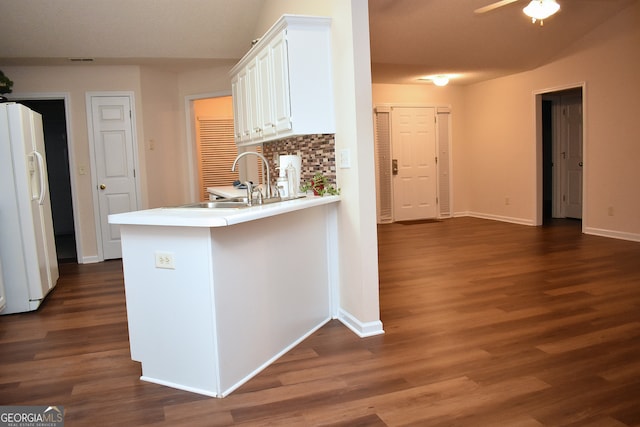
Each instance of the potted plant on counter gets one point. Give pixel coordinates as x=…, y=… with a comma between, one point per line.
x=5, y=86
x=320, y=186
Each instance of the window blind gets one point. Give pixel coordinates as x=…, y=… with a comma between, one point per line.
x=216, y=152
x=444, y=159
x=383, y=164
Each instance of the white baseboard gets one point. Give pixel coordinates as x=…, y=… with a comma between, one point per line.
x=89, y=260
x=362, y=329
x=179, y=386
x=520, y=221
x=622, y=235
x=612, y=234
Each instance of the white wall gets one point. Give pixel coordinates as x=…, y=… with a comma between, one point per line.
x=354, y=131
x=502, y=140
x=159, y=90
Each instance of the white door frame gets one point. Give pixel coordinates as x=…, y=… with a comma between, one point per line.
x=537, y=99
x=94, y=177
x=192, y=166
x=66, y=97
x=439, y=108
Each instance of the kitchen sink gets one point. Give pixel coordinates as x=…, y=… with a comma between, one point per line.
x=218, y=204
x=234, y=203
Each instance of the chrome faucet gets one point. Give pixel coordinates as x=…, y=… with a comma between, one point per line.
x=266, y=178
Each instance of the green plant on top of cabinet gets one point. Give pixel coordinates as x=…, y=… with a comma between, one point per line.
x=282, y=87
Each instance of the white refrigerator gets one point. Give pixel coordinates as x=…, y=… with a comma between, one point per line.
x=27, y=246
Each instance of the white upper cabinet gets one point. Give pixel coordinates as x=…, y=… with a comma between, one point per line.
x=266, y=122
x=283, y=86
x=281, y=97
x=241, y=116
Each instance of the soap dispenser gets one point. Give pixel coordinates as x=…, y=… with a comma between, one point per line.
x=292, y=180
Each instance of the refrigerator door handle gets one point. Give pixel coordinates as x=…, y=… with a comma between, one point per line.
x=41, y=175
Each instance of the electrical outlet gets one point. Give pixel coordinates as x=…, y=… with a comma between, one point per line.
x=507, y=201
x=165, y=260
x=610, y=211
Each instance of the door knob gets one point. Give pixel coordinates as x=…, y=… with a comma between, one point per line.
x=580, y=164
x=102, y=186
x=394, y=167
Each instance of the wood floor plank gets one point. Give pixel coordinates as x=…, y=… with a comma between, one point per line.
x=486, y=324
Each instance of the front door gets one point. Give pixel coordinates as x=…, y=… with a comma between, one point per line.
x=114, y=164
x=414, y=151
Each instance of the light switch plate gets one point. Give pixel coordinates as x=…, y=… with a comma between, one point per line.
x=345, y=158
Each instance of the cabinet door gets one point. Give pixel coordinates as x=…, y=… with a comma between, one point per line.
x=238, y=108
x=245, y=117
x=281, y=96
x=264, y=65
x=253, y=101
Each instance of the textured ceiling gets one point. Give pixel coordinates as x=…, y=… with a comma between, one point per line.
x=413, y=38
x=409, y=38
x=176, y=32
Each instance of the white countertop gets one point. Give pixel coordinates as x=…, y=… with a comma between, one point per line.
x=203, y=217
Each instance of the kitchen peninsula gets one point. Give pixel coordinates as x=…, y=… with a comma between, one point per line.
x=216, y=295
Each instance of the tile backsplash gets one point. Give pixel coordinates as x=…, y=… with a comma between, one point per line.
x=317, y=152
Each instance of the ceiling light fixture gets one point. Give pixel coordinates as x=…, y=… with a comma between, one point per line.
x=440, y=80
x=539, y=10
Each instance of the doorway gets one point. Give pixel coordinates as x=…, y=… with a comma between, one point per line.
x=561, y=115
x=54, y=123
x=413, y=162
x=217, y=111
x=215, y=146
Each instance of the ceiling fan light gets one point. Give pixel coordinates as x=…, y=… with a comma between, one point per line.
x=541, y=9
x=440, y=80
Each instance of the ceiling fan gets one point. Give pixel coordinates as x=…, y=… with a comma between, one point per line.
x=537, y=10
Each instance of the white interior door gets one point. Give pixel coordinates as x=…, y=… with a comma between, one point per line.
x=414, y=150
x=572, y=135
x=114, y=161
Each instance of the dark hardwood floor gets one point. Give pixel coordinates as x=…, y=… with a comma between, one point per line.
x=486, y=324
